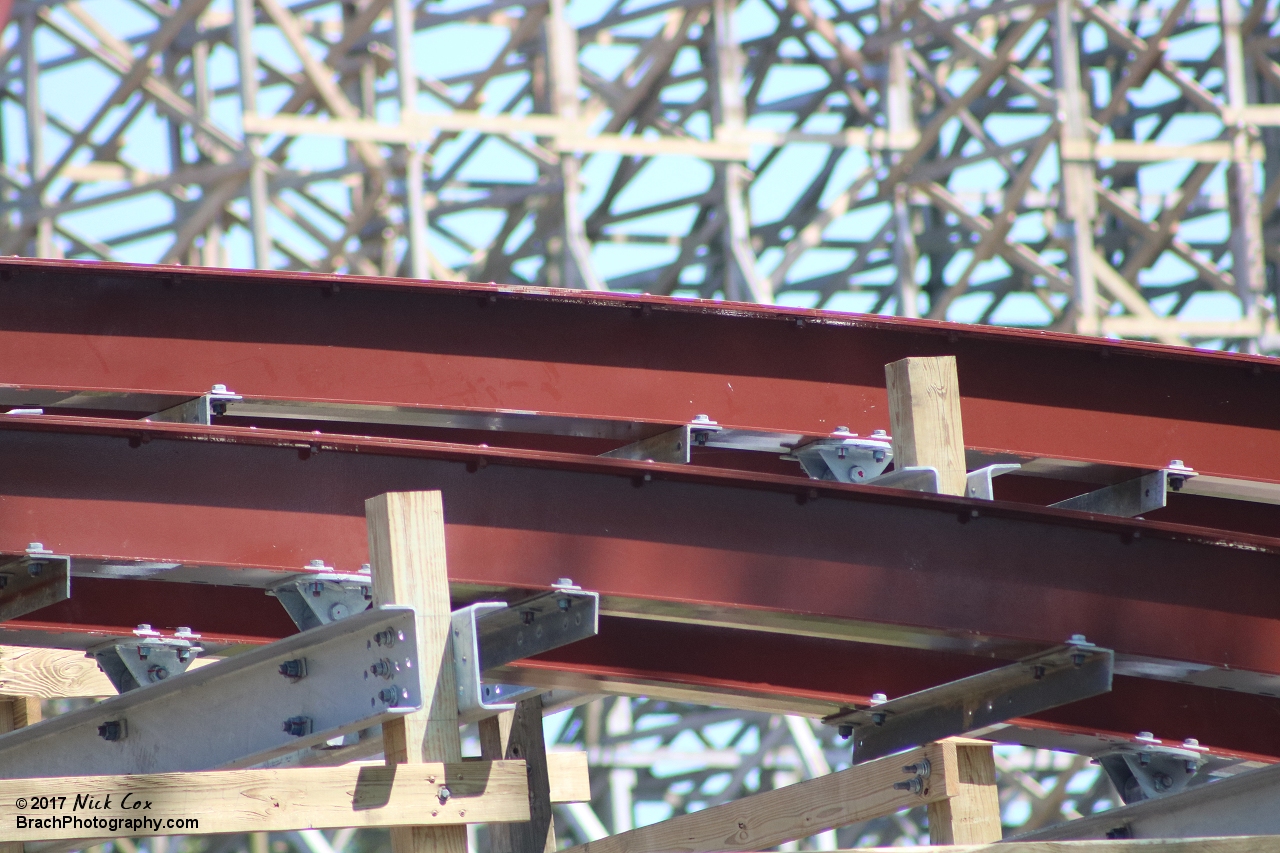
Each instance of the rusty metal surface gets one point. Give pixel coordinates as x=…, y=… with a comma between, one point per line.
x=170, y=330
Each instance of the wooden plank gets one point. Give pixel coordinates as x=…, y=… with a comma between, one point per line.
x=924, y=416
x=234, y=801
x=407, y=556
x=797, y=811
x=51, y=674
x=16, y=712
x=972, y=813
x=570, y=782
x=518, y=735
x=1241, y=844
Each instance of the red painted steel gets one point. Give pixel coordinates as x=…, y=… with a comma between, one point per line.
x=180, y=330
x=694, y=538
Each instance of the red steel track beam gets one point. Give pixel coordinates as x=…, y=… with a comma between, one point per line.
x=392, y=342
x=925, y=570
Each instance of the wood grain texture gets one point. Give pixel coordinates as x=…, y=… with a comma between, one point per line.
x=797, y=811
x=16, y=712
x=517, y=735
x=569, y=778
x=407, y=557
x=234, y=801
x=1242, y=844
x=924, y=418
x=971, y=815
x=51, y=674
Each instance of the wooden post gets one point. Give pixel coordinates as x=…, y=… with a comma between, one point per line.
x=971, y=815
x=518, y=735
x=406, y=552
x=924, y=417
x=17, y=712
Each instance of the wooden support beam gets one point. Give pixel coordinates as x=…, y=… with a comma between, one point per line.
x=517, y=735
x=1241, y=844
x=806, y=808
x=16, y=712
x=234, y=801
x=407, y=556
x=51, y=674
x=924, y=418
x=971, y=815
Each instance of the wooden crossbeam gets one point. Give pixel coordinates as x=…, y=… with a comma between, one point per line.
x=924, y=416
x=1242, y=844
x=859, y=793
x=234, y=801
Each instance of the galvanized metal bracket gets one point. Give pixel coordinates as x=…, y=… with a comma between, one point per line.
x=149, y=659
x=319, y=597
x=200, y=410
x=491, y=634
x=845, y=457
x=913, y=478
x=1132, y=497
x=978, y=483
x=292, y=694
x=1148, y=769
x=675, y=446
x=1055, y=677
x=32, y=580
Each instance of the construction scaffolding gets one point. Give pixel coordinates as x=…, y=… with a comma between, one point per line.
x=1104, y=168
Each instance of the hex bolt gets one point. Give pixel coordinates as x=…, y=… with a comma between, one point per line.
x=298, y=726
x=878, y=719
x=564, y=603
x=1192, y=766
x=914, y=785
x=339, y=611
x=846, y=731
x=527, y=616
x=34, y=568
x=921, y=768
x=383, y=668
x=294, y=669
x=878, y=698
x=444, y=794
x=391, y=696
x=35, y=547
x=156, y=672
x=219, y=389
x=1037, y=672
x=1144, y=758
x=316, y=564
x=385, y=638
x=113, y=730
x=1162, y=781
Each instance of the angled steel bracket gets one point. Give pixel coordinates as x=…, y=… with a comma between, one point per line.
x=491, y=634
x=32, y=580
x=1152, y=769
x=319, y=597
x=149, y=659
x=200, y=410
x=845, y=457
x=978, y=483
x=914, y=478
x=1132, y=497
x=297, y=692
x=1055, y=677
x=671, y=446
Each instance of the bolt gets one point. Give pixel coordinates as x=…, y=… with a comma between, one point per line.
x=846, y=731
x=1192, y=767
x=385, y=638
x=35, y=547
x=1146, y=736
x=34, y=568
x=156, y=672
x=444, y=794
x=338, y=611
x=921, y=768
x=1037, y=672
x=294, y=669
x=527, y=616
x=915, y=785
x=366, y=569
x=702, y=419
x=564, y=603
x=184, y=632
x=383, y=668
x=219, y=389
x=878, y=698
x=113, y=730
x=4, y=581
x=392, y=695
x=316, y=564
x=1144, y=758
x=878, y=433
x=1078, y=640
x=1163, y=781
x=144, y=628
x=878, y=719
x=565, y=582
x=842, y=429
x=298, y=726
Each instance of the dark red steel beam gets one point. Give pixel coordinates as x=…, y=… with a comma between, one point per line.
x=384, y=341
x=920, y=569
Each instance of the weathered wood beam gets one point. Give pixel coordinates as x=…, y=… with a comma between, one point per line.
x=514, y=734
x=924, y=417
x=806, y=808
x=234, y=801
x=972, y=813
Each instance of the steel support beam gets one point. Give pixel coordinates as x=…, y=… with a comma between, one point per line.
x=938, y=573
x=160, y=330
